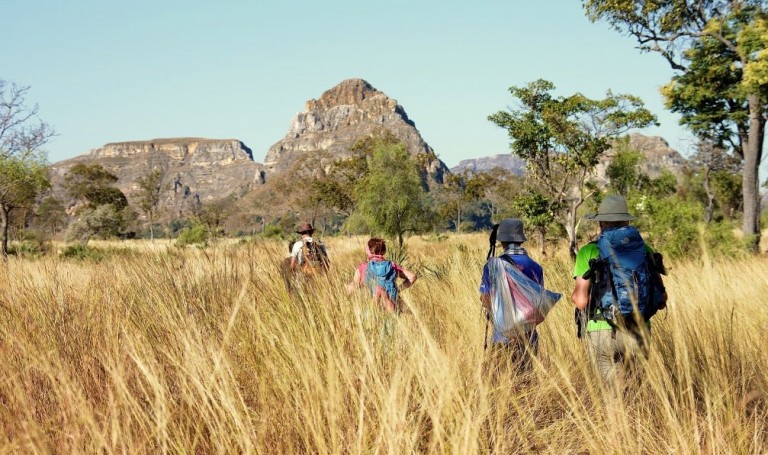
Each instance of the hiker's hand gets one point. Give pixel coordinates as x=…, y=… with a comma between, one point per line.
x=663, y=304
x=486, y=301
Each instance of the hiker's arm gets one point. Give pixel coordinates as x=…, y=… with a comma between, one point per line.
x=580, y=295
x=356, y=281
x=294, y=256
x=409, y=278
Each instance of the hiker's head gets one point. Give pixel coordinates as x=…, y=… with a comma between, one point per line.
x=613, y=212
x=306, y=230
x=377, y=246
x=612, y=224
x=510, y=232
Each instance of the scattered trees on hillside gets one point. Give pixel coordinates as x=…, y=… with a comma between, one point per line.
x=476, y=198
x=23, y=175
x=720, y=50
x=563, y=138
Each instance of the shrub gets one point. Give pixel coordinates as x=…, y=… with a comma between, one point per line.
x=82, y=252
x=672, y=224
x=29, y=248
x=271, y=231
x=721, y=240
x=196, y=234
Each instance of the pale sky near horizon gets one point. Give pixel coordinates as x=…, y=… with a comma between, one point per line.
x=119, y=70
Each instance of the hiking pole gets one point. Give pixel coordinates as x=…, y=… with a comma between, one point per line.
x=492, y=241
x=491, y=252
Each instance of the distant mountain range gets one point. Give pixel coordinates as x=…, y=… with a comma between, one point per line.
x=197, y=170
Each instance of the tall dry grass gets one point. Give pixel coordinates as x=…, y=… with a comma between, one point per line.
x=204, y=351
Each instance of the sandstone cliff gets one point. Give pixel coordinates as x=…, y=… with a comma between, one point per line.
x=193, y=170
x=329, y=127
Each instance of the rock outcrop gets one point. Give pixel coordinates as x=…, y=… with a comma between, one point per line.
x=193, y=170
x=329, y=127
x=507, y=162
x=657, y=156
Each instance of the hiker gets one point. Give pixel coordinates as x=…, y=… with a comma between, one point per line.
x=618, y=288
x=379, y=275
x=525, y=342
x=308, y=256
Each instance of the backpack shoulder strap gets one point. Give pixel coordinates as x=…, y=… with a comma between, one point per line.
x=508, y=259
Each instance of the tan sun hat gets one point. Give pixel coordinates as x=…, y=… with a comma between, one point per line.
x=306, y=227
x=613, y=208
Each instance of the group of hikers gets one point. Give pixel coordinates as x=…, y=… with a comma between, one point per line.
x=617, y=288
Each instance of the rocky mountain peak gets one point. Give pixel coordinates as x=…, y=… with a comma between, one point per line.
x=330, y=126
x=348, y=92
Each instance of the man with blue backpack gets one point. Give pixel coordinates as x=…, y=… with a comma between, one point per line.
x=618, y=288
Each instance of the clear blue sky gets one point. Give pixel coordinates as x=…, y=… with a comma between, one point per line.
x=118, y=70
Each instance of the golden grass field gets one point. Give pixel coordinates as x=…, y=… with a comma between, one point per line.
x=161, y=350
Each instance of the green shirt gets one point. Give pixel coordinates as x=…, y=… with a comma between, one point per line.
x=587, y=252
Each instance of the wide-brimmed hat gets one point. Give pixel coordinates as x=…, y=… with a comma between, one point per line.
x=306, y=227
x=613, y=208
x=510, y=231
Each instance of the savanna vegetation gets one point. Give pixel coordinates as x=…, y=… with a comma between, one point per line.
x=152, y=348
x=191, y=343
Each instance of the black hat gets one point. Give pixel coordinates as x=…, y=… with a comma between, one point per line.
x=511, y=231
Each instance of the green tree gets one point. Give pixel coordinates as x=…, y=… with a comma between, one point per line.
x=149, y=197
x=563, y=138
x=624, y=170
x=335, y=188
x=22, y=162
x=51, y=214
x=391, y=198
x=22, y=179
x=92, y=184
x=720, y=50
x=713, y=161
x=455, y=189
x=103, y=220
x=538, y=213
x=214, y=213
x=102, y=206
x=726, y=188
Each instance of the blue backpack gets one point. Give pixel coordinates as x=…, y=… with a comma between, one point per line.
x=382, y=275
x=627, y=279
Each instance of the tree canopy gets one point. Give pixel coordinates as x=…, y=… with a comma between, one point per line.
x=562, y=138
x=23, y=175
x=391, y=197
x=720, y=50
